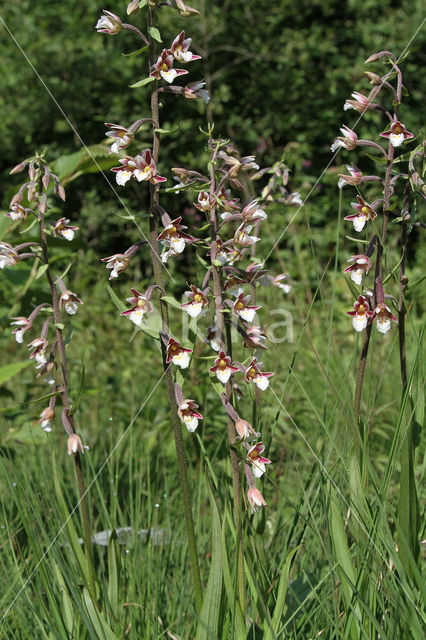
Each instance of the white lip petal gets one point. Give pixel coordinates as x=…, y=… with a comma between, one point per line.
x=359, y=222
x=383, y=325
x=194, y=309
x=356, y=276
x=122, y=177
x=359, y=322
x=169, y=76
x=223, y=375
x=258, y=469
x=181, y=360
x=191, y=423
x=262, y=382
x=247, y=314
x=396, y=139
x=71, y=308
x=68, y=234
x=137, y=316
x=178, y=244
x=19, y=337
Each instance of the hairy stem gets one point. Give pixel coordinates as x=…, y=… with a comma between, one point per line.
x=69, y=424
x=155, y=211
x=224, y=329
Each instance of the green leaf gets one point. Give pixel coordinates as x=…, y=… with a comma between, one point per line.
x=9, y=370
x=345, y=567
x=352, y=288
x=42, y=269
x=231, y=594
x=116, y=300
x=155, y=34
x=113, y=577
x=76, y=402
x=135, y=53
x=280, y=603
x=142, y=83
x=166, y=131
x=100, y=624
x=142, y=4
x=208, y=626
x=172, y=302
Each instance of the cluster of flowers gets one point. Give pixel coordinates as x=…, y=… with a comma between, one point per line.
x=33, y=193
x=370, y=307
x=227, y=253
x=213, y=201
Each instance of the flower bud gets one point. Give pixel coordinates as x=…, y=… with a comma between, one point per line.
x=132, y=7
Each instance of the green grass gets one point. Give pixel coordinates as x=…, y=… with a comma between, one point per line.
x=321, y=559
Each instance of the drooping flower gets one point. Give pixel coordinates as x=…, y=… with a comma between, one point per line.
x=75, y=445
x=197, y=302
x=278, y=281
x=163, y=68
x=187, y=412
x=177, y=354
x=349, y=140
x=245, y=430
x=360, y=103
x=175, y=238
x=109, y=23
x=122, y=137
x=180, y=49
x=223, y=367
x=252, y=212
x=70, y=302
x=360, y=266
x=242, y=309
x=117, y=263
x=204, y=201
x=8, y=255
x=294, y=199
x=18, y=212
x=254, y=338
x=256, y=499
x=254, y=374
x=361, y=313
x=364, y=212
x=382, y=317
x=397, y=134
x=142, y=167
x=46, y=418
x=196, y=91
x=213, y=337
x=354, y=178
x=22, y=325
x=233, y=284
x=140, y=306
x=242, y=236
x=62, y=228
x=257, y=461
x=38, y=348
